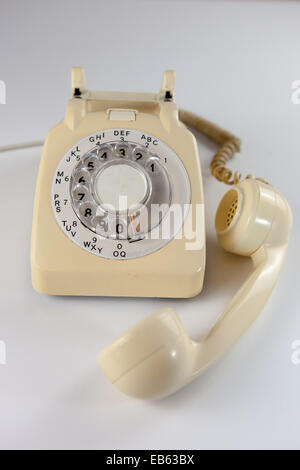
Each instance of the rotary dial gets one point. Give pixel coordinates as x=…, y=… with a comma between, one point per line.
x=112, y=191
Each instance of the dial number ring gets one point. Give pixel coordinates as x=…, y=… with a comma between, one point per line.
x=74, y=199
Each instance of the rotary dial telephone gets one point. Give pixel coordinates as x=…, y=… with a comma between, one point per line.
x=119, y=212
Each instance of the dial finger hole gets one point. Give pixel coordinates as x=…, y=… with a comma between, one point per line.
x=122, y=150
x=105, y=153
x=82, y=177
x=118, y=228
x=87, y=211
x=153, y=166
x=91, y=162
x=139, y=154
x=80, y=193
x=100, y=223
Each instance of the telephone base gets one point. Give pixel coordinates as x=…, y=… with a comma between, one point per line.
x=130, y=278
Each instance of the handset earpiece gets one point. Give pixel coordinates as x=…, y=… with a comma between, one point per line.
x=156, y=357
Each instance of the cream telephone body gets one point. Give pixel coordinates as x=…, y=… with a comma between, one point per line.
x=118, y=201
x=115, y=149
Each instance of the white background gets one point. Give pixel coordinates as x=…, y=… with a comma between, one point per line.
x=235, y=64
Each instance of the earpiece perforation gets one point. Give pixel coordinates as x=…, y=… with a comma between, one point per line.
x=231, y=211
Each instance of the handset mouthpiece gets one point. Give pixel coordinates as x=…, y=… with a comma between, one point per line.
x=152, y=359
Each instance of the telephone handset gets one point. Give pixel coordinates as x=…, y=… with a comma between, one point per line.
x=119, y=211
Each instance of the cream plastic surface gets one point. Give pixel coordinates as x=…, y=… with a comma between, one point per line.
x=58, y=266
x=156, y=357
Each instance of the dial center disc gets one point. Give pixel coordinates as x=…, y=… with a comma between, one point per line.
x=120, y=187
